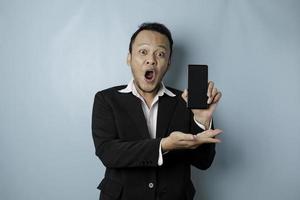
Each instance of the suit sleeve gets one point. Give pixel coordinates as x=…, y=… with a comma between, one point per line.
x=113, y=151
x=203, y=156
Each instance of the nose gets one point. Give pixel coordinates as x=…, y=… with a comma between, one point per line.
x=151, y=61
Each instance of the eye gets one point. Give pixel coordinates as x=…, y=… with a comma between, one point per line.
x=143, y=52
x=161, y=54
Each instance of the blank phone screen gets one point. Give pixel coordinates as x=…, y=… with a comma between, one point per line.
x=197, y=86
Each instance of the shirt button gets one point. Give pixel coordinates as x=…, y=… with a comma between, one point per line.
x=151, y=185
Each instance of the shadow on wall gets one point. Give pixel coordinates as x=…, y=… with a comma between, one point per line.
x=228, y=160
x=177, y=68
x=177, y=77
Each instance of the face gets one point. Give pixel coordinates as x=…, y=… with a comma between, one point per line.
x=149, y=60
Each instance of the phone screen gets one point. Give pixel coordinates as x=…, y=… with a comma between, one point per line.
x=197, y=86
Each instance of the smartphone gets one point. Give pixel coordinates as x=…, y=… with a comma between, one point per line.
x=197, y=86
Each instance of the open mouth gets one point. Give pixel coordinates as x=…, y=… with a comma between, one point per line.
x=149, y=75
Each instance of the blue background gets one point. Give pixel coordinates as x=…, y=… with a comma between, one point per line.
x=55, y=55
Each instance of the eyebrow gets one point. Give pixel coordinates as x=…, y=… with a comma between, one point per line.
x=162, y=46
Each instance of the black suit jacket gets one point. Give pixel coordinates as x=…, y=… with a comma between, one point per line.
x=123, y=144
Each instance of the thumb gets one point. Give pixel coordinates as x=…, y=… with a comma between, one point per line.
x=213, y=106
x=184, y=95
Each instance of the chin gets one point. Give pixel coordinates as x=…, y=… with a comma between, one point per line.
x=149, y=89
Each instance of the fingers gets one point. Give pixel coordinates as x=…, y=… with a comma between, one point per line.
x=212, y=140
x=184, y=95
x=180, y=136
x=199, y=139
x=213, y=94
x=186, y=137
x=217, y=97
x=180, y=140
x=210, y=133
x=210, y=88
x=210, y=91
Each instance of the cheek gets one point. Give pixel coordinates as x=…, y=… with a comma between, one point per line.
x=136, y=70
x=136, y=64
x=163, y=62
x=164, y=66
x=138, y=60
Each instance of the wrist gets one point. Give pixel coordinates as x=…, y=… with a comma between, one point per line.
x=204, y=121
x=165, y=146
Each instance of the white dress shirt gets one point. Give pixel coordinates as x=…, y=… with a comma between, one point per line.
x=151, y=113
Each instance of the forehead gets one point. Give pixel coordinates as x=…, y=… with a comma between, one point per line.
x=151, y=38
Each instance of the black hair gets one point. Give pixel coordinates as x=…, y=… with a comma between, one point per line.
x=157, y=27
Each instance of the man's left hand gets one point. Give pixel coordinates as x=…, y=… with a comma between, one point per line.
x=204, y=116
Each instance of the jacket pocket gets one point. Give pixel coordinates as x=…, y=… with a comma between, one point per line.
x=110, y=188
x=190, y=191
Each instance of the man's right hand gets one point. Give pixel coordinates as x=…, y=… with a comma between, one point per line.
x=180, y=140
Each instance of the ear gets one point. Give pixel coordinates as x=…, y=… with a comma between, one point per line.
x=169, y=62
x=128, y=58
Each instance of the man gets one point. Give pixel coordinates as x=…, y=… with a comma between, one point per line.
x=143, y=132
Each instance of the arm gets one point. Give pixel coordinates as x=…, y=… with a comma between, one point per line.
x=202, y=156
x=113, y=151
x=199, y=145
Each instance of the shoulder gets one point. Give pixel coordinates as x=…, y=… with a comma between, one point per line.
x=178, y=94
x=174, y=90
x=112, y=91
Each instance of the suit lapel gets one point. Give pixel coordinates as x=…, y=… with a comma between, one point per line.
x=166, y=108
x=134, y=109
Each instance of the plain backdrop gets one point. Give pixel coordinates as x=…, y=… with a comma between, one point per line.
x=55, y=55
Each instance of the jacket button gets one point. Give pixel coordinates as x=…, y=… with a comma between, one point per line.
x=151, y=185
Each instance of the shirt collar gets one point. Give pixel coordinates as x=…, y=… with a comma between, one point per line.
x=131, y=88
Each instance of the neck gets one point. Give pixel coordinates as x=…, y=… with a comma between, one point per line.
x=147, y=96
